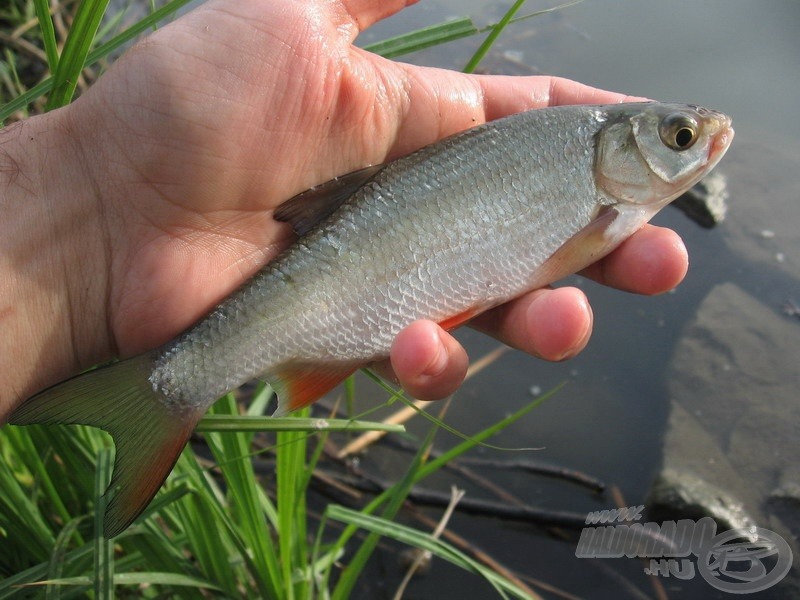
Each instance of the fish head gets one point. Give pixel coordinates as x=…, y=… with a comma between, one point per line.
x=648, y=154
x=651, y=153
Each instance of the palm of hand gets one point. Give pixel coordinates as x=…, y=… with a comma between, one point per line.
x=241, y=108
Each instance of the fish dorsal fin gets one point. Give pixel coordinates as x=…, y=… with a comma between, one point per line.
x=308, y=208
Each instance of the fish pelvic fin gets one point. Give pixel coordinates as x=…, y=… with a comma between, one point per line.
x=149, y=435
x=298, y=385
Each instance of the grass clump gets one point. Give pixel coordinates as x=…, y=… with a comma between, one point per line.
x=214, y=528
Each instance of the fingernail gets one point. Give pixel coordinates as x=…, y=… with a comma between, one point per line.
x=583, y=340
x=439, y=362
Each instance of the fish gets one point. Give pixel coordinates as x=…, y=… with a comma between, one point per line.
x=444, y=233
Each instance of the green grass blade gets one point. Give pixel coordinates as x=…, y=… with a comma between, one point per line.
x=437, y=463
x=415, y=474
x=483, y=49
x=210, y=545
x=232, y=452
x=386, y=528
x=21, y=520
x=79, y=41
x=95, y=55
x=149, y=22
x=399, y=394
x=9, y=586
x=426, y=37
x=163, y=500
x=256, y=423
x=236, y=547
x=49, y=488
x=496, y=29
x=25, y=99
x=139, y=579
x=48, y=32
x=351, y=573
x=137, y=28
x=103, y=548
x=257, y=406
x=57, y=558
x=350, y=395
x=290, y=467
x=172, y=579
x=434, y=465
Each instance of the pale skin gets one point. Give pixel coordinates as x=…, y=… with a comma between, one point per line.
x=129, y=214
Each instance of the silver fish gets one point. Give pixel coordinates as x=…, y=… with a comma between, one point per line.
x=444, y=234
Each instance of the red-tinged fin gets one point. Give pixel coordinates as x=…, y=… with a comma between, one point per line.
x=298, y=385
x=459, y=319
x=308, y=208
x=148, y=436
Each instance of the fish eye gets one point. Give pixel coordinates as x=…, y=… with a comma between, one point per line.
x=678, y=131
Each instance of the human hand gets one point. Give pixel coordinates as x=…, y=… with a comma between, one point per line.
x=197, y=134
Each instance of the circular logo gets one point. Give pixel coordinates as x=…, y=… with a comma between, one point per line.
x=745, y=560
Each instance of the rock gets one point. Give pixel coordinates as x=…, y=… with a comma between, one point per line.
x=731, y=448
x=682, y=493
x=735, y=371
x=707, y=202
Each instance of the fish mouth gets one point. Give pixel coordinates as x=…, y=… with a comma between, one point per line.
x=721, y=139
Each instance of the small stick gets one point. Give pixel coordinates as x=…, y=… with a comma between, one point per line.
x=658, y=587
x=475, y=506
x=455, y=496
x=24, y=45
x=479, y=555
x=557, y=472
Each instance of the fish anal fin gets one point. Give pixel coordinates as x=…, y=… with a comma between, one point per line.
x=300, y=384
x=459, y=319
x=308, y=208
x=148, y=434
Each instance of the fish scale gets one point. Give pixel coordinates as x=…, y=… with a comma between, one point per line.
x=442, y=234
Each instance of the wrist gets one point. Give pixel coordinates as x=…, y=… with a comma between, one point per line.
x=52, y=259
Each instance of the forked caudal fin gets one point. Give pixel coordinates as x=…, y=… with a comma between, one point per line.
x=148, y=435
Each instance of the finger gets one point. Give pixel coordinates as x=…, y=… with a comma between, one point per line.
x=509, y=95
x=652, y=261
x=365, y=13
x=551, y=324
x=428, y=362
x=439, y=103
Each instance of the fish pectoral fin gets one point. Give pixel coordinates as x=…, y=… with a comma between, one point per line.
x=300, y=384
x=308, y=208
x=589, y=245
x=148, y=436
